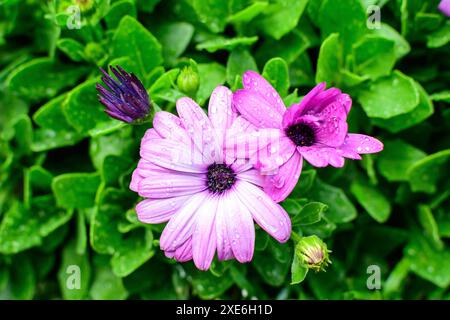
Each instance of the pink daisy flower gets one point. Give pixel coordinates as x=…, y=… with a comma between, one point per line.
x=314, y=129
x=210, y=201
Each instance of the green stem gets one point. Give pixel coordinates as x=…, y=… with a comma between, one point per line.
x=295, y=237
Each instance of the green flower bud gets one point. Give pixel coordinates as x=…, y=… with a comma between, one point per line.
x=188, y=81
x=313, y=253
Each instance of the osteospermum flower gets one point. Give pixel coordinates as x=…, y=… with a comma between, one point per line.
x=209, y=200
x=444, y=6
x=127, y=99
x=314, y=129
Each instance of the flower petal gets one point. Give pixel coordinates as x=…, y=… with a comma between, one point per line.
x=135, y=179
x=274, y=155
x=180, y=226
x=361, y=144
x=280, y=185
x=159, y=210
x=220, y=112
x=252, y=176
x=172, y=155
x=184, y=252
x=444, y=6
x=200, y=129
x=295, y=110
x=256, y=109
x=254, y=82
x=204, y=237
x=240, y=228
x=332, y=128
x=322, y=157
x=247, y=144
x=169, y=126
x=268, y=215
x=224, y=250
x=160, y=185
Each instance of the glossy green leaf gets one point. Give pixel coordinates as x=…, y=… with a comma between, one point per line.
x=390, y=96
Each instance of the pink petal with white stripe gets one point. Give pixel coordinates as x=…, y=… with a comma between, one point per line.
x=159, y=210
x=268, y=215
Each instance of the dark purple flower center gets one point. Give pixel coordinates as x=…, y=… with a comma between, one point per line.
x=220, y=178
x=301, y=134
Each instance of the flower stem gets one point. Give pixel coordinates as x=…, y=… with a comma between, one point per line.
x=295, y=237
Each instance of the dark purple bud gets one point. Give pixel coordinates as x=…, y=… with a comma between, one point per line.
x=125, y=99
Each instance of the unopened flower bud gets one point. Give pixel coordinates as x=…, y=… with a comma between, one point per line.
x=188, y=81
x=313, y=253
x=126, y=100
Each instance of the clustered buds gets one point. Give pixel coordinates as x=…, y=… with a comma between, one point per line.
x=313, y=253
x=127, y=100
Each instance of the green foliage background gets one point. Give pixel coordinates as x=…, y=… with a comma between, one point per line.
x=65, y=166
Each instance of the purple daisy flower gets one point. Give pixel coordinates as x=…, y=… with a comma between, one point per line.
x=444, y=6
x=127, y=99
x=314, y=129
x=209, y=200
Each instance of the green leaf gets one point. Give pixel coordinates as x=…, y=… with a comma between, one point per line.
x=311, y=213
x=43, y=78
x=212, y=13
x=427, y=262
x=281, y=16
x=51, y=116
x=72, y=48
x=74, y=273
x=440, y=37
x=401, y=122
x=304, y=184
x=239, y=61
x=113, y=168
x=397, y=277
x=340, y=208
x=113, y=204
x=22, y=278
x=133, y=40
x=350, y=23
x=82, y=109
x=276, y=72
x=390, y=96
x=18, y=230
x=396, y=158
x=117, y=143
x=229, y=44
x=134, y=251
x=76, y=190
x=249, y=13
x=330, y=61
x=430, y=226
x=372, y=200
x=174, y=38
x=208, y=286
x=402, y=47
x=118, y=10
x=273, y=263
x=289, y=47
x=374, y=56
x=106, y=285
x=298, y=270
x=211, y=75
x=425, y=174
x=47, y=139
